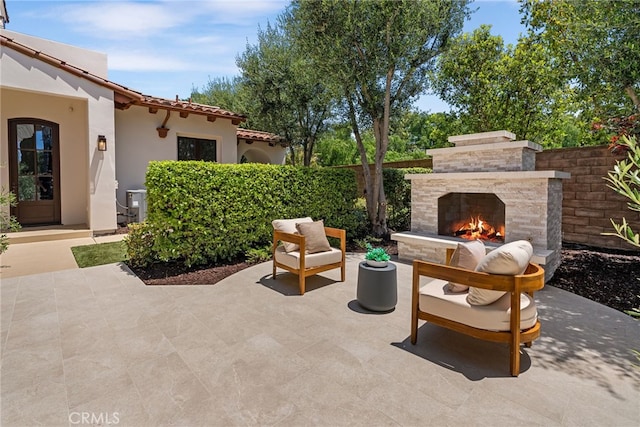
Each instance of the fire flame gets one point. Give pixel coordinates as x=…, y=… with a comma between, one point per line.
x=477, y=228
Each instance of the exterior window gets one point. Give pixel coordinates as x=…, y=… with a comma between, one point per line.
x=196, y=149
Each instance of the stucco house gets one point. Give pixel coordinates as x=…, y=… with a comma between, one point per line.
x=74, y=142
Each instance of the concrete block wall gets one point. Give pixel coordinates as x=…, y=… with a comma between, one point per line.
x=588, y=203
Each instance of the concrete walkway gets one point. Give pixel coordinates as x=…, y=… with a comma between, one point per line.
x=97, y=346
x=22, y=259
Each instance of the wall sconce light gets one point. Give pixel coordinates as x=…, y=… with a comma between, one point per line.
x=102, y=143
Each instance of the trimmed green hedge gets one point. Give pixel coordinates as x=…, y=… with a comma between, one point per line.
x=398, y=192
x=201, y=212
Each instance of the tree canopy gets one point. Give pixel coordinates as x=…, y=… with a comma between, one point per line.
x=597, y=44
x=492, y=86
x=378, y=55
x=222, y=92
x=284, y=92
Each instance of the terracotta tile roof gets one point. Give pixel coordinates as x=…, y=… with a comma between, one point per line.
x=256, y=135
x=189, y=107
x=123, y=96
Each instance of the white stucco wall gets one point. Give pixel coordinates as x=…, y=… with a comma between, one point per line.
x=92, y=61
x=261, y=152
x=70, y=114
x=138, y=143
x=84, y=110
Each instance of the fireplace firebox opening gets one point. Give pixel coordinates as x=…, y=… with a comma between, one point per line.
x=472, y=216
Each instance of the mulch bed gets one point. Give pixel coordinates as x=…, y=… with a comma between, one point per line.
x=178, y=274
x=608, y=277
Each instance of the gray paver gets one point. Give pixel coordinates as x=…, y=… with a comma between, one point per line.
x=250, y=351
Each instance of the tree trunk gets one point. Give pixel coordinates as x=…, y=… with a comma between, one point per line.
x=305, y=151
x=308, y=150
x=292, y=154
x=633, y=95
x=366, y=173
x=381, y=133
x=379, y=221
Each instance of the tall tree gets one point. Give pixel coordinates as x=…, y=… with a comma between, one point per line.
x=496, y=87
x=596, y=42
x=379, y=55
x=285, y=94
x=222, y=92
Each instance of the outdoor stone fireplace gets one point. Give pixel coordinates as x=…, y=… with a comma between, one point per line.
x=485, y=187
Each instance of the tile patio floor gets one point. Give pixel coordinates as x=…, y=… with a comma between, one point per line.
x=98, y=343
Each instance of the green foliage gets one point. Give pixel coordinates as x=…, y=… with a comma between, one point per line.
x=99, y=254
x=7, y=221
x=258, y=255
x=634, y=312
x=337, y=147
x=286, y=94
x=596, y=42
x=519, y=88
x=223, y=92
x=398, y=191
x=362, y=227
x=625, y=180
x=376, y=254
x=423, y=130
x=202, y=212
x=139, y=243
x=367, y=240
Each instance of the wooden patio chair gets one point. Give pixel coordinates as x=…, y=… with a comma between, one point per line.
x=512, y=318
x=307, y=252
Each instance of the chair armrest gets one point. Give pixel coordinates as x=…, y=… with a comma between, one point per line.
x=532, y=280
x=300, y=240
x=338, y=233
x=288, y=237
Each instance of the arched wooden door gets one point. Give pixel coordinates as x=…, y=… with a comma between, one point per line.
x=34, y=170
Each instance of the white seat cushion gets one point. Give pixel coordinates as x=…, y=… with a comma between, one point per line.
x=436, y=299
x=292, y=259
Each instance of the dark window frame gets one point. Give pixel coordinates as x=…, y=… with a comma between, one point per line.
x=199, y=150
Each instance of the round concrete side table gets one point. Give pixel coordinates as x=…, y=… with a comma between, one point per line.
x=377, y=287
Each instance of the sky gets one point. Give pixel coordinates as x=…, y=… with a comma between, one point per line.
x=169, y=47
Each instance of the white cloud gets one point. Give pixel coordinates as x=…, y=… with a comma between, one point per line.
x=242, y=12
x=154, y=46
x=124, y=20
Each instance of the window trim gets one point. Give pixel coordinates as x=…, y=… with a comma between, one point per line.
x=198, y=140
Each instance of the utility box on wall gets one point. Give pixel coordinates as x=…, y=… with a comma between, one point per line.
x=137, y=203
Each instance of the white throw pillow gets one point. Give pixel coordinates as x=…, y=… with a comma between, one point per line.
x=467, y=255
x=289, y=226
x=509, y=259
